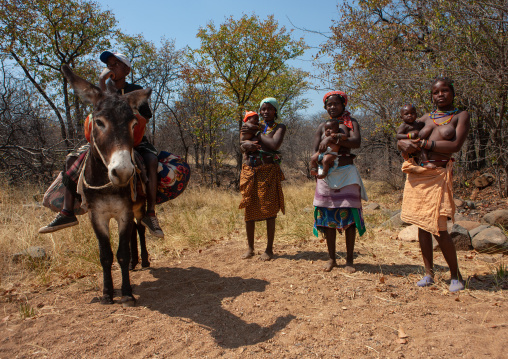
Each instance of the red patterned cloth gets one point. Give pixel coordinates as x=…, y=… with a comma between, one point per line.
x=346, y=118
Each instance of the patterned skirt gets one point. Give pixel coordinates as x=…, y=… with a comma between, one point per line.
x=261, y=190
x=338, y=218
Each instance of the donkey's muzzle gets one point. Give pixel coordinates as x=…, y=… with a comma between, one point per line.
x=120, y=169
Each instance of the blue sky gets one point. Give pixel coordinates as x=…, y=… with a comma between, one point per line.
x=180, y=20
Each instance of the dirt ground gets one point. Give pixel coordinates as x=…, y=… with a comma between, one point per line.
x=209, y=303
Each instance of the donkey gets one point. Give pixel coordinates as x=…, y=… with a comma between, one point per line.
x=107, y=180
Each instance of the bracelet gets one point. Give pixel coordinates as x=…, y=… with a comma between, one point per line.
x=258, y=133
x=432, y=145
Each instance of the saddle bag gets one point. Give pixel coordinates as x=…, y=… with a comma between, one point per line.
x=173, y=174
x=54, y=197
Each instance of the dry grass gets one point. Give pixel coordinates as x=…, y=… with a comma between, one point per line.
x=198, y=218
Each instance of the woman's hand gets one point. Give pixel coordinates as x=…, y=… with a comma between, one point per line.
x=250, y=146
x=409, y=146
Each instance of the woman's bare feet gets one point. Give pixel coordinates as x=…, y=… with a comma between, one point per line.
x=266, y=256
x=349, y=268
x=248, y=254
x=329, y=265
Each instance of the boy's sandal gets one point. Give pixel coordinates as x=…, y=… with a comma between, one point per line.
x=425, y=281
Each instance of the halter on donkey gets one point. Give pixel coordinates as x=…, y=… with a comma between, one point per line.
x=106, y=182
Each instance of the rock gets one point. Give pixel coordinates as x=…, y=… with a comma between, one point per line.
x=395, y=221
x=473, y=232
x=458, y=202
x=459, y=217
x=409, y=234
x=491, y=239
x=484, y=180
x=469, y=225
x=470, y=204
x=499, y=216
x=475, y=193
x=460, y=237
x=371, y=207
x=32, y=252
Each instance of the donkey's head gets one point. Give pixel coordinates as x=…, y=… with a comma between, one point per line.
x=112, y=135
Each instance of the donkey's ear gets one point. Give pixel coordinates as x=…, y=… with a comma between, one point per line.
x=138, y=97
x=86, y=91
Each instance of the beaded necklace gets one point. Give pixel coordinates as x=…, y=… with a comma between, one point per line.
x=436, y=115
x=268, y=128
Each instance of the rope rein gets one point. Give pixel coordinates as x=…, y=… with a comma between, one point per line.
x=82, y=183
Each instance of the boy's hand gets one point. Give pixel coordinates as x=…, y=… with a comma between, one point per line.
x=106, y=74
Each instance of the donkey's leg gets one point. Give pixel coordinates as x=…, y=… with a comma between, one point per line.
x=134, y=248
x=125, y=229
x=101, y=228
x=142, y=243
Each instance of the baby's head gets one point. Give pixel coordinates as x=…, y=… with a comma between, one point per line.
x=332, y=126
x=408, y=114
x=251, y=117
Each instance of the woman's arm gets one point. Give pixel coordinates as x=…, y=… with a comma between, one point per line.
x=249, y=146
x=408, y=146
x=273, y=143
x=317, y=137
x=355, y=138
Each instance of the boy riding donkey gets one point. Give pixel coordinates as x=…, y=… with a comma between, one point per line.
x=118, y=67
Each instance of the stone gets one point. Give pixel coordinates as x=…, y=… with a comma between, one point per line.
x=491, y=239
x=499, y=216
x=473, y=232
x=395, y=221
x=484, y=180
x=470, y=204
x=469, y=225
x=32, y=252
x=460, y=237
x=409, y=234
x=458, y=202
x=372, y=206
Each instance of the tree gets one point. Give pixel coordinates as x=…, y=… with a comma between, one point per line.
x=157, y=68
x=243, y=54
x=42, y=35
x=388, y=51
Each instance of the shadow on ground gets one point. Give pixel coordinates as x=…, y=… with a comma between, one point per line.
x=197, y=294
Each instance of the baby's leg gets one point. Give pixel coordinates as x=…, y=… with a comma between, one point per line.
x=314, y=164
x=424, y=157
x=328, y=161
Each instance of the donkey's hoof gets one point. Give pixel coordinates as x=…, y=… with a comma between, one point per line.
x=107, y=299
x=132, y=265
x=145, y=264
x=128, y=301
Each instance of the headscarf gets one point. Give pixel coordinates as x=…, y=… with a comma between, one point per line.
x=346, y=115
x=249, y=114
x=339, y=93
x=272, y=102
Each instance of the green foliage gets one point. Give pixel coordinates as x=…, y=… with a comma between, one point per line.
x=41, y=35
x=387, y=52
x=246, y=53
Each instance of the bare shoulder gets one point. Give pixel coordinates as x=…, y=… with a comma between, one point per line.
x=463, y=115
